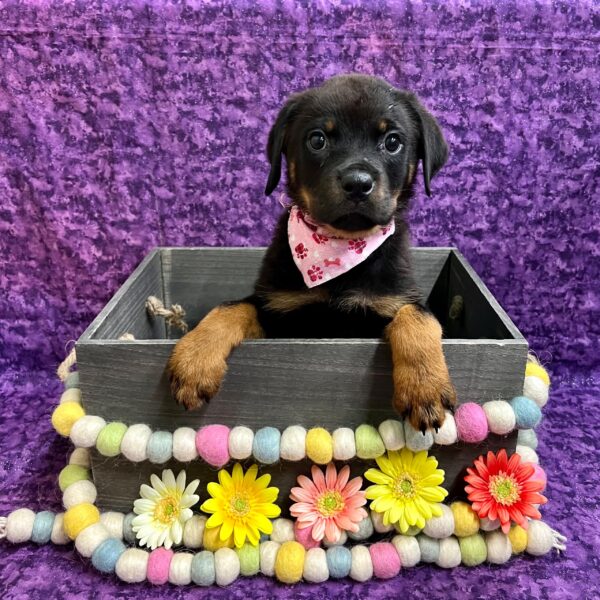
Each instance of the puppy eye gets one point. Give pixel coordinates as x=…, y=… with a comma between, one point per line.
x=317, y=140
x=392, y=143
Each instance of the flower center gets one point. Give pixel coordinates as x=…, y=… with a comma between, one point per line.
x=167, y=510
x=404, y=486
x=330, y=503
x=504, y=489
x=239, y=506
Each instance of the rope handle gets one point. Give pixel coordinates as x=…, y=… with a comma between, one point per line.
x=156, y=308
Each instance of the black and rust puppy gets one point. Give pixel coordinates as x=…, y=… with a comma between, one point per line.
x=352, y=147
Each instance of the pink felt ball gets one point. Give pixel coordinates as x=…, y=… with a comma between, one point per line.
x=212, y=443
x=539, y=474
x=471, y=422
x=304, y=536
x=385, y=559
x=159, y=562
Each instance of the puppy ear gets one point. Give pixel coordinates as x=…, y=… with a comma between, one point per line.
x=432, y=149
x=276, y=144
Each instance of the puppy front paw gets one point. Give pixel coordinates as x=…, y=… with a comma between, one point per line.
x=423, y=396
x=195, y=374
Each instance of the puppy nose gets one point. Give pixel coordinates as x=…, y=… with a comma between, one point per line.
x=357, y=182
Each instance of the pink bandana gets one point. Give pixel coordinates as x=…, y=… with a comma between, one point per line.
x=321, y=256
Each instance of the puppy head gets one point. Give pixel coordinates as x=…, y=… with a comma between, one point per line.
x=352, y=146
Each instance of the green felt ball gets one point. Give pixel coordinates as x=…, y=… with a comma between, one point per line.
x=369, y=444
x=249, y=556
x=109, y=439
x=70, y=474
x=473, y=550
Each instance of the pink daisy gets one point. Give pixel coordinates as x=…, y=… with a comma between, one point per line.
x=328, y=504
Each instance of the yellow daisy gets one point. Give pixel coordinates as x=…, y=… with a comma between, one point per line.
x=163, y=509
x=241, y=505
x=407, y=489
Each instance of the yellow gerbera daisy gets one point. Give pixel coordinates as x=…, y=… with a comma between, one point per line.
x=407, y=489
x=241, y=505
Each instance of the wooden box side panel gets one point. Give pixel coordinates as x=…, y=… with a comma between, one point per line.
x=278, y=383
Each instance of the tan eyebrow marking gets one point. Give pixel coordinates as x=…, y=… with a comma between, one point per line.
x=329, y=125
x=383, y=125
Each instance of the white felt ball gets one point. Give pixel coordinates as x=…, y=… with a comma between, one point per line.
x=500, y=416
x=19, y=525
x=449, y=555
x=58, y=535
x=408, y=550
x=80, y=457
x=283, y=531
x=193, y=531
x=240, y=442
x=377, y=519
x=132, y=565
x=486, y=524
x=442, y=526
x=539, y=538
x=392, y=434
x=536, y=389
x=184, y=444
x=90, y=538
x=268, y=554
x=78, y=493
x=499, y=548
x=71, y=395
x=134, y=442
x=362, y=566
x=85, y=430
x=446, y=434
x=113, y=521
x=527, y=454
x=344, y=444
x=340, y=542
x=315, y=566
x=292, y=445
x=417, y=440
x=180, y=569
x=227, y=566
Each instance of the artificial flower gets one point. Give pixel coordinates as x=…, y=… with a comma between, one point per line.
x=328, y=504
x=407, y=489
x=241, y=504
x=163, y=510
x=504, y=489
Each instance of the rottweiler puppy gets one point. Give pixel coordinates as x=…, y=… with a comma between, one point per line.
x=339, y=264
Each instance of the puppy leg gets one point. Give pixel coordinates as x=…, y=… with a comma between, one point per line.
x=422, y=386
x=198, y=363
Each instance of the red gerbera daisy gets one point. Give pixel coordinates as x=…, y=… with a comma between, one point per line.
x=504, y=489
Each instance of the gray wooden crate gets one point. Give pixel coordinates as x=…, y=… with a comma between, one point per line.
x=342, y=382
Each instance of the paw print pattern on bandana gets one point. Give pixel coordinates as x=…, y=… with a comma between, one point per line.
x=321, y=256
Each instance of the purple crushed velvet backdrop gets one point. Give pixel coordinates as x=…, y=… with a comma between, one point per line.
x=129, y=125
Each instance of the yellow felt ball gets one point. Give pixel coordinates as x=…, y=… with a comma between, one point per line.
x=319, y=445
x=466, y=521
x=537, y=371
x=79, y=517
x=289, y=563
x=65, y=415
x=212, y=542
x=518, y=539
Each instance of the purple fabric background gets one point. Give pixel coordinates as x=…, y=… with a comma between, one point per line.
x=129, y=125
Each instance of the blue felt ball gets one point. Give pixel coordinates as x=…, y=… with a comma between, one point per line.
x=72, y=380
x=107, y=554
x=265, y=446
x=527, y=412
x=160, y=447
x=429, y=547
x=339, y=561
x=203, y=568
x=42, y=527
x=128, y=534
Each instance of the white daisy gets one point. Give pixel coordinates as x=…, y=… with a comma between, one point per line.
x=163, y=510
